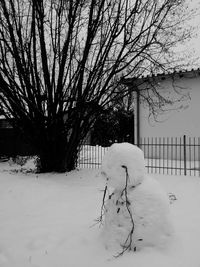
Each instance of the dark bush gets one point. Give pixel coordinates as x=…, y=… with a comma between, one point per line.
x=113, y=126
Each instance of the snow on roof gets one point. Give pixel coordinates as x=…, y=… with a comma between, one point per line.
x=163, y=75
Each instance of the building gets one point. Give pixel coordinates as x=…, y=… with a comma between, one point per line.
x=177, y=115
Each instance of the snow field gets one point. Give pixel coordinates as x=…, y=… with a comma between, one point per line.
x=47, y=220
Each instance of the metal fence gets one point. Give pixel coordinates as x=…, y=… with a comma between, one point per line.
x=172, y=155
x=164, y=155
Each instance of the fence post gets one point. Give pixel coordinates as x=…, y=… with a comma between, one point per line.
x=184, y=155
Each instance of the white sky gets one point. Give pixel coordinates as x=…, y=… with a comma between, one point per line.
x=194, y=43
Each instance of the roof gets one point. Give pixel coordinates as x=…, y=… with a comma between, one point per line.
x=163, y=76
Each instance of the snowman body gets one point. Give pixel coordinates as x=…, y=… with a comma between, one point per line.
x=137, y=202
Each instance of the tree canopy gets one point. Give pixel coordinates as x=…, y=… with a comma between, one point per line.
x=61, y=63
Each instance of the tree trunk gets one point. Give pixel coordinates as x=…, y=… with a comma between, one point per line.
x=58, y=157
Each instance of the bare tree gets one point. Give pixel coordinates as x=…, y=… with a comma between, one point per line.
x=61, y=63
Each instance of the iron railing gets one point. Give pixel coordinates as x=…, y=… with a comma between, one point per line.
x=164, y=155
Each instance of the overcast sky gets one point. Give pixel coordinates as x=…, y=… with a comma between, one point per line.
x=194, y=44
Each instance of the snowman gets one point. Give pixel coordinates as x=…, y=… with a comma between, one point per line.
x=136, y=213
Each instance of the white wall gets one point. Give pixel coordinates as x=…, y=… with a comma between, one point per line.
x=183, y=118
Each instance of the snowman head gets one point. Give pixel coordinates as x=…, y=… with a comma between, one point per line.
x=123, y=164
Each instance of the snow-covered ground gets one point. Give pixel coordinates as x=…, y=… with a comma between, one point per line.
x=47, y=220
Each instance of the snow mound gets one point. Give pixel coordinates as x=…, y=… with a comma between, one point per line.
x=149, y=206
x=137, y=212
x=121, y=156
